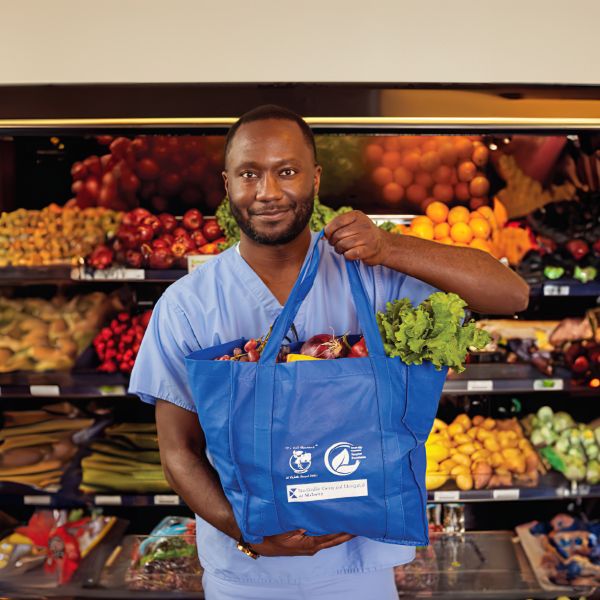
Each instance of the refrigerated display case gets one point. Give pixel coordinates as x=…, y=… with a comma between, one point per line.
x=382, y=149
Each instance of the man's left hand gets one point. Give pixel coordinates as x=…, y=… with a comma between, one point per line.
x=355, y=236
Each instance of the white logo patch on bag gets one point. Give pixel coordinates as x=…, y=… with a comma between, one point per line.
x=343, y=458
x=300, y=461
x=310, y=492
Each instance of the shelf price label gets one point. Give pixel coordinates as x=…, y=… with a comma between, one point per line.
x=548, y=384
x=556, y=290
x=110, y=274
x=112, y=390
x=37, y=500
x=446, y=496
x=196, y=260
x=44, y=390
x=480, y=385
x=108, y=500
x=510, y=494
x=166, y=500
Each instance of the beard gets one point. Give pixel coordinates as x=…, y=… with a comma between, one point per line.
x=302, y=211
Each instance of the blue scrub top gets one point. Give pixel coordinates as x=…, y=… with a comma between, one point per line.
x=224, y=300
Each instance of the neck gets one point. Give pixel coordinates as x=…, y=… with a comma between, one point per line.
x=263, y=258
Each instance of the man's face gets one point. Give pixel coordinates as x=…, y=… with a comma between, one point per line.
x=271, y=179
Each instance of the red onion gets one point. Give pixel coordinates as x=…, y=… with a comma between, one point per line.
x=325, y=346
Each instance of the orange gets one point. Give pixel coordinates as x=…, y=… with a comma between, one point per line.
x=392, y=192
x=403, y=177
x=486, y=211
x=480, y=227
x=443, y=174
x=461, y=191
x=441, y=231
x=373, y=153
x=475, y=203
x=437, y=212
x=430, y=161
x=382, y=176
x=409, y=141
x=447, y=240
x=466, y=170
x=416, y=193
x=448, y=154
x=391, y=159
x=461, y=244
x=463, y=147
x=480, y=155
x=423, y=230
x=479, y=186
x=480, y=244
x=391, y=142
x=421, y=219
x=458, y=214
x=461, y=232
x=443, y=192
x=424, y=178
x=411, y=160
x=429, y=143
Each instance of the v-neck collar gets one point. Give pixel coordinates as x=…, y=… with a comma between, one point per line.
x=258, y=287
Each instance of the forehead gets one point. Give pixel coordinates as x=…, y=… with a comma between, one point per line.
x=269, y=139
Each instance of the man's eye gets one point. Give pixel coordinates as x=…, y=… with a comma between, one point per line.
x=288, y=172
x=248, y=175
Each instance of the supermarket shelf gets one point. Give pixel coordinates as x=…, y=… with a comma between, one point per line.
x=59, y=499
x=565, y=287
x=126, y=275
x=502, y=378
x=63, y=383
x=29, y=275
x=552, y=486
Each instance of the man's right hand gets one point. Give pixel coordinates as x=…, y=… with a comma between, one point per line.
x=295, y=543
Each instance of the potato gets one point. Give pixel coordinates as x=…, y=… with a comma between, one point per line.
x=466, y=449
x=464, y=482
x=447, y=465
x=460, y=469
x=489, y=424
x=472, y=433
x=462, y=459
x=477, y=420
x=496, y=459
x=481, y=454
x=483, y=434
x=454, y=429
x=462, y=438
x=434, y=481
x=482, y=472
x=491, y=444
x=464, y=420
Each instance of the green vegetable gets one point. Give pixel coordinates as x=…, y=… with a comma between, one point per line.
x=592, y=452
x=545, y=414
x=592, y=474
x=575, y=469
x=537, y=439
x=584, y=275
x=552, y=272
x=323, y=214
x=562, y=421
x=432, y=331
x=387, y=226
x=562, y=445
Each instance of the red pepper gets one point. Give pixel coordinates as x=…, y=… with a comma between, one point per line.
x=359, y=350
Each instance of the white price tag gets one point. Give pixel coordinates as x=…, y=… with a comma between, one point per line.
x=166, y=500
x=510, y=494
x=44, y=390
x=449, y=496
x=108, y=500
x=195, y=260
x=37, y=500
x=548, y=384
x=480, y=385
x=556, y=290
x=110, y=274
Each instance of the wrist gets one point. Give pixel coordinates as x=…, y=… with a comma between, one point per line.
x=392, y=250
x=245, y=548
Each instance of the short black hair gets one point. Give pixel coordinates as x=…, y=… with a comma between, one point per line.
x=272, y=111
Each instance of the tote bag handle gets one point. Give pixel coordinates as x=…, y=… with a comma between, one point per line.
x=303, y=285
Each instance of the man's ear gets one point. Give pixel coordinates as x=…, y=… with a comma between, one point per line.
x=225, y=182
x=317, y=179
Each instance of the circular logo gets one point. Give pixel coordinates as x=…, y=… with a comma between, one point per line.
x=300, y=461
x=338, y=459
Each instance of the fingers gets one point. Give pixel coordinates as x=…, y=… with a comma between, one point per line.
x=363, y=253
x=340, y=538
x=341, y=221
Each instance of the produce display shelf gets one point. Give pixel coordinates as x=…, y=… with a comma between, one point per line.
x=126, y=275
x=28, y=275
x=502, y=378
x=565, y=288
x=552, y=486
x=37, y=498
x=63, y=383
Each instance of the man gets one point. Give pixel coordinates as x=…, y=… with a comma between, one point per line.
x=271, y=177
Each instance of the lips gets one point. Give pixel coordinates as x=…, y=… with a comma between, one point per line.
x=271, y=215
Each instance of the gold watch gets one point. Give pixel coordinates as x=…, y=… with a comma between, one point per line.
x=244, y=547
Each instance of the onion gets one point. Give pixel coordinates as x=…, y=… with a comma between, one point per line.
x=325, y=346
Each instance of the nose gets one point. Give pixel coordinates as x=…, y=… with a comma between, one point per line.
x=268, y=188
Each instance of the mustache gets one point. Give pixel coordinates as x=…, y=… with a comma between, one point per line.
x=269, y=210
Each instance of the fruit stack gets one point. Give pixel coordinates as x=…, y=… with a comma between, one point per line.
x=457, y=226
x=422, y=169
x=480, y=453
x=158, y=242
x=53, y=235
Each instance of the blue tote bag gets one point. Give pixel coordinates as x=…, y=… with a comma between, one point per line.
x=329, y=445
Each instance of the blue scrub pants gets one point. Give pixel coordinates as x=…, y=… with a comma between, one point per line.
x=375, y=585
